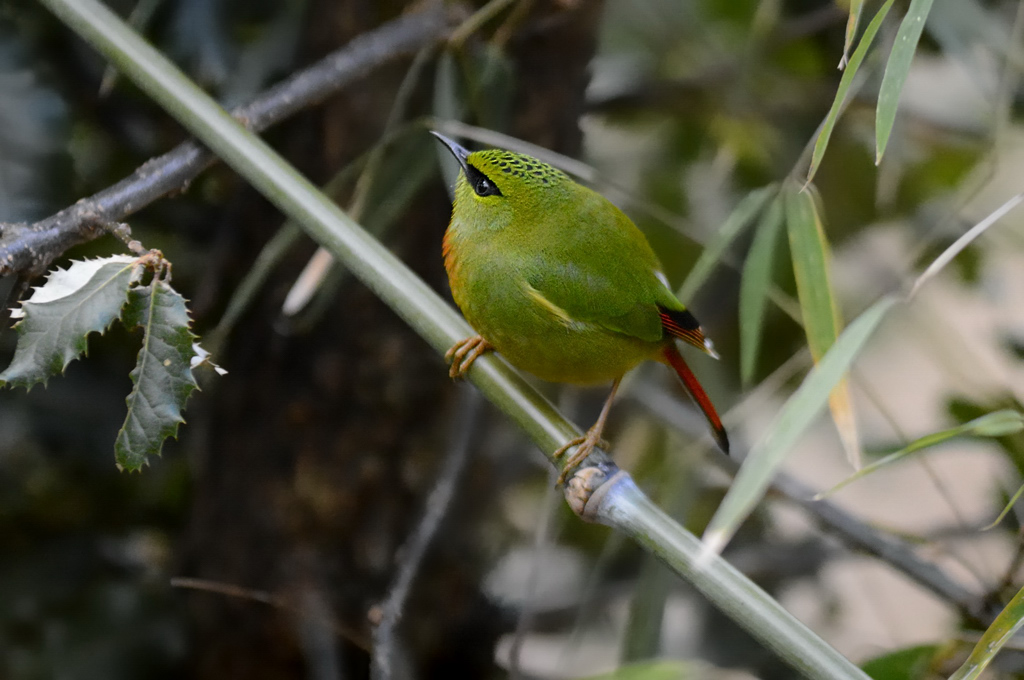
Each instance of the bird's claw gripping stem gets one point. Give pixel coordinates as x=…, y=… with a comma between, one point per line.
x=587, y=443
x=463, y=353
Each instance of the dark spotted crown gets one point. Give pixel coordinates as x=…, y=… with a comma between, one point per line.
x=493, y=162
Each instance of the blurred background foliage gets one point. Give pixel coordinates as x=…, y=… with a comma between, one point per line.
x=301, y=473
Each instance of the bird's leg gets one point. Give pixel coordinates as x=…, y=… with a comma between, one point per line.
x=463, y=353
x=587, y=442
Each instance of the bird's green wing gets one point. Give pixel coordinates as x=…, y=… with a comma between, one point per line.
x=602, y=271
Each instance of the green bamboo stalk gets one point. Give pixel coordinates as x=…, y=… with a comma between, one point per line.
x=624, y=506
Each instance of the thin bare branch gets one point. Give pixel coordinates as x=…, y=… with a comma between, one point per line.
x=390, y=611
x=264, y=597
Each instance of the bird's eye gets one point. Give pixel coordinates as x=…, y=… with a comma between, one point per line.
x=484, y=187
x=480, y=183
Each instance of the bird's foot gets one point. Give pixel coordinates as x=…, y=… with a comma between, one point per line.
x=463, y=353
x=586, y=445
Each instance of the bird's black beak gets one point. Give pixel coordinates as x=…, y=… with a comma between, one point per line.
x=459, y=151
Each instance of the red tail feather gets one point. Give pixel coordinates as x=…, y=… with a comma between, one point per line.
x=675, y=360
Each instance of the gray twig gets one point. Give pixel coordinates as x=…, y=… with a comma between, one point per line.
x=29, y=248
x=390, y=611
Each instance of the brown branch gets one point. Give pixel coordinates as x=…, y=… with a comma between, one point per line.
x=357, y=638
x=28, y=249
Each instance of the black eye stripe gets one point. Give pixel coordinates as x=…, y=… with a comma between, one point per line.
x=482, y=185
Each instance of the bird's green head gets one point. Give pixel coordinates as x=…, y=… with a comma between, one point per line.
x=497, y=186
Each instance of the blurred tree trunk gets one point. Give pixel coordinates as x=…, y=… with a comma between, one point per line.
x=313, y=456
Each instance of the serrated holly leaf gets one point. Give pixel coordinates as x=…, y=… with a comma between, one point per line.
x=57, y=319
x=162, y=376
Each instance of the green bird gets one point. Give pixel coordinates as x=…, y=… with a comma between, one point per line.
x=559, y=281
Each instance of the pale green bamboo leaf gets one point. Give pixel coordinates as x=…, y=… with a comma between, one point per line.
x=811, y=258
x=896, y=71
x=856, y=9
x=997, y=424
x=743, y=215
x=998, y=634
x=796, y=415
x=844, y=87
x=754, y=286
x=957, y=247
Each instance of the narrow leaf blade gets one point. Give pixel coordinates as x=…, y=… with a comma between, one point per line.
x=57, y=320
x=958, y=246
x=743, y=215
x=162, y=376
x=844, y=87
x=896, y=71
x=1006, y=509
x=856, y=9
x=997, y=424
x=810, y=253
x=754, y=284
x=796, y=415
x=998, y=634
